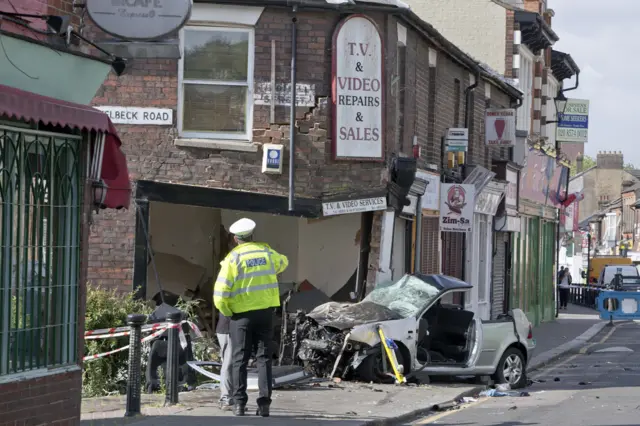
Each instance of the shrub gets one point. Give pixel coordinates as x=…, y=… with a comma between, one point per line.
x=106, y=309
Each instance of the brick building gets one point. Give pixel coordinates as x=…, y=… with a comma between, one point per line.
x=521, y=48
x=50, y=140
x=190, y=185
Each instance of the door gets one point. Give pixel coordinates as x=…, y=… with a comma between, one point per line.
x=485, y=250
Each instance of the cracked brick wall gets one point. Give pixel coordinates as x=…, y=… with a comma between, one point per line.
x=152, y=154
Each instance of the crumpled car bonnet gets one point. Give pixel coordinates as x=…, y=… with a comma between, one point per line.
x=348, y=315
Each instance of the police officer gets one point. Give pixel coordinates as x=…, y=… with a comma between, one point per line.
x=246, y=290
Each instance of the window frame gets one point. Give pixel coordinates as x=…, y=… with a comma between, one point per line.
x=553, y=86
x=525, y=82
x=214, y=136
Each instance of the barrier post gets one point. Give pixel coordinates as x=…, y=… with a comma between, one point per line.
x=135, y=322
x=173, y=354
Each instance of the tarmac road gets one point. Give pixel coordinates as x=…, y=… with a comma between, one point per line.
x=600, y=386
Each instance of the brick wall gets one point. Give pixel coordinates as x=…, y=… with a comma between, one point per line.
x=48, y=400
x=152, y=154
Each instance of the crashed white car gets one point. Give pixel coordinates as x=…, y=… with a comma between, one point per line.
x=337, y=339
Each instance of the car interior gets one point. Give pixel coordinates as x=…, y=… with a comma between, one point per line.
x=449, y=339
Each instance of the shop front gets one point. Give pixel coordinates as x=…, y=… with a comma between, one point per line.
x=480, y=248
x=534, y=247
x=506, y=223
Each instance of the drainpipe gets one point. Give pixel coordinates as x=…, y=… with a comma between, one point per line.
x=417, y=268
x=292, y=124
x=467, y=120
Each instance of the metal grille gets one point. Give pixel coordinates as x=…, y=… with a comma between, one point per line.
x=41, y=198
x=430, y=239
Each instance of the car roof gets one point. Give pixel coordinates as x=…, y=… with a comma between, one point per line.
x=444, y=282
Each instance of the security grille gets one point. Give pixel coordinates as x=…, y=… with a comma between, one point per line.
x=41, y=199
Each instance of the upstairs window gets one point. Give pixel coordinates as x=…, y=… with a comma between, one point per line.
x=525, y=79
x=216, y=83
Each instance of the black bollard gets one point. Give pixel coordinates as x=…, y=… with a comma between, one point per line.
x=173, y=355
x=135, y=322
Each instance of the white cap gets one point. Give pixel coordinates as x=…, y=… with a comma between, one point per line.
x=243, y=227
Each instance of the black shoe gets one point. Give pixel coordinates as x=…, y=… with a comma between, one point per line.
x=263, y=411
x=238, y=410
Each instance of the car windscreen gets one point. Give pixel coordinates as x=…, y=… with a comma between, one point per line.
x=406, y=296
x=629, y=272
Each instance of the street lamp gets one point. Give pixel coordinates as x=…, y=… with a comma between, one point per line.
x=561, y=103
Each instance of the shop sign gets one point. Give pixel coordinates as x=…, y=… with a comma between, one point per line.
x=457, y=204
x=354, y=206
x=573, y=123
x=500, y=127
x=457, y=140
x=511, y=194
x=139, y=116
x=139, y=19
x=358, y=90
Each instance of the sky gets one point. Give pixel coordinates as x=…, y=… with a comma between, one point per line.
x=602, y=38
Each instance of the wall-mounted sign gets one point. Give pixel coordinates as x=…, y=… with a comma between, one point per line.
x=139, y=116
x=431, y=198
x=511, y=194
x=457, y=204
x=357, y=90
x=354, y=206
x=457, y=140
x=500, y=127
x=573, y=124
x=272, y=158
x=139, y=19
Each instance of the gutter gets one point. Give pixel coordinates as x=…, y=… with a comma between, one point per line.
x=407, y=15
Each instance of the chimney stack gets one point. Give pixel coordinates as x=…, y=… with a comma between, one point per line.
x=579, y=163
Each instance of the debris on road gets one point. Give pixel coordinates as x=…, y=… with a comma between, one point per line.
x=497, y=393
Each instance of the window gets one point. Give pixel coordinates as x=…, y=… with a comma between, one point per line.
x=552, y=93
x=216, y=83
x=526, y=85
x=41, y=194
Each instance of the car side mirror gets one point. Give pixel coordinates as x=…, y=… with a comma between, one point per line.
x=583, y=274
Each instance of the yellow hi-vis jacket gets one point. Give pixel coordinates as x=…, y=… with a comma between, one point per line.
x=248, y=279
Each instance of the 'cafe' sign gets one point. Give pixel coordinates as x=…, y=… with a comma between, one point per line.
x=357, y=90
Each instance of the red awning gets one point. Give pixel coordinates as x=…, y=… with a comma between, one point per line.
x=27, y=106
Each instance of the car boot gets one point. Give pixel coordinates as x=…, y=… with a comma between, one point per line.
x=263, y=411
x=238, y=410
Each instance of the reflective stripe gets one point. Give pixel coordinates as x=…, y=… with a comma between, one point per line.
x=224, y=281
x=244, y=290
x=244, y=275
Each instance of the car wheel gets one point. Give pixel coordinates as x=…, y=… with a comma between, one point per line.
x=512, y=369
x=370, y=370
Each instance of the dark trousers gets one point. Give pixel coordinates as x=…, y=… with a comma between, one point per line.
x=564, y=297
x=248, y=330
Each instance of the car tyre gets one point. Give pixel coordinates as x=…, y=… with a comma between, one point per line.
x=370, y=370
x=512, y=369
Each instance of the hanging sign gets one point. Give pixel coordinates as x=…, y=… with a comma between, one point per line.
x=500, y=127
x=573, y=123
x=139, y=19
x=357, y=90
x=457, y=204
x=457, y=140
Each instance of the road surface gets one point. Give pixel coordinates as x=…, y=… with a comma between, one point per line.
x=600, y=386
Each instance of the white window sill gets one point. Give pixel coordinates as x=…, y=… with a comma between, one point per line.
x=223, y=145
x=34, y=374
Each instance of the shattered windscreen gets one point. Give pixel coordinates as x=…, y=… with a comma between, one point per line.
x=407, y=296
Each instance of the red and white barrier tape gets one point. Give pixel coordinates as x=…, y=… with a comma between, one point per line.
x=158, y=329
x=109, y=333
x=124, y=348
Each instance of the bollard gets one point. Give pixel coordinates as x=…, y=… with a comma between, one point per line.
x=135, y=321
x=173, y=355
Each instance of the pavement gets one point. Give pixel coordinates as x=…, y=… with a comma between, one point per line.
x=599, y=385
x=343, y=403
x=572, y=329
